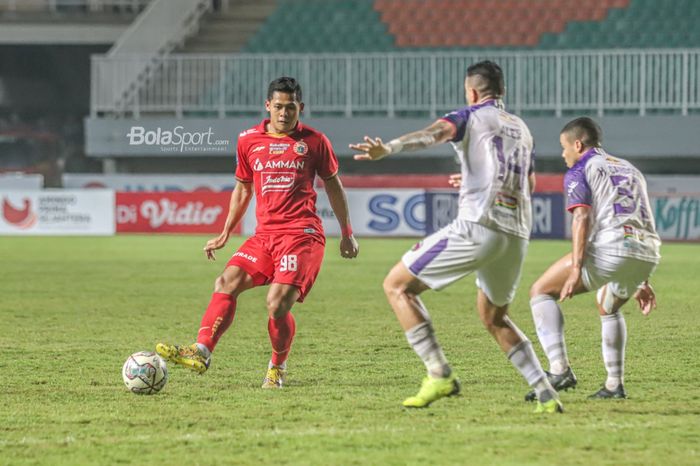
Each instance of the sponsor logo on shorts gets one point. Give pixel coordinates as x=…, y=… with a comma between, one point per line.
x=253, y=259
x=504, y=200
x=277, y=181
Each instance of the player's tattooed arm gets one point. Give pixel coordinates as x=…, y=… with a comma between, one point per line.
x=374, y=149
x=579, y=236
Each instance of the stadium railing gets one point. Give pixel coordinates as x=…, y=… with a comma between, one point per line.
x=61, y=6
x=156, y=32
x=635, y=81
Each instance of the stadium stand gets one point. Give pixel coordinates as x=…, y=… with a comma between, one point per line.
x=53, y=11
x=393, y=25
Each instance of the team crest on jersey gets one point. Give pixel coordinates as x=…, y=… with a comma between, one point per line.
x=278, y=148
x=300, y=148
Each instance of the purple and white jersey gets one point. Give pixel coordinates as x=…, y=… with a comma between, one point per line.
x=623, y=224
x=495, y=150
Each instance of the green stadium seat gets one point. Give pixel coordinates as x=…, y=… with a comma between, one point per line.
x=387, y=25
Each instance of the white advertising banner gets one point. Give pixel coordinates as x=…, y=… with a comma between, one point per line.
x=677, y=217
x=57, y=212
x=672, y=184
x=20, y=181
x=150, y=183
x=391, y=212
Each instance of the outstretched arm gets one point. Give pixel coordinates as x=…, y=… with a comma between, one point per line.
x=579, y=236
x=374, y=149
x=339, y=203
x=240, y=198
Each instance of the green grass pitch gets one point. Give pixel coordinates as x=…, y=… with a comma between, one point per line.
x=73, y=309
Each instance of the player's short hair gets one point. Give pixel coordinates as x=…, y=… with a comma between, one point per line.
x=585, y=130
x=287, y=85
x=489, y=78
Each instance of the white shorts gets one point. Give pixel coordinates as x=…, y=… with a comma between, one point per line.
x=622, y=274
x=464, y=247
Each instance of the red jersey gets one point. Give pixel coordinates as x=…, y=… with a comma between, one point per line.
x=282, y=169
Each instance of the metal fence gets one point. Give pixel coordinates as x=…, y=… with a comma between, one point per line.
x=556, y=82
x=61, y=6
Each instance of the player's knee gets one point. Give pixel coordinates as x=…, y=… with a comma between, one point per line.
x=490, y=321
x=277, y=306
x=220, y=284
x=607, y=302
x=227, y=284
x=538, y=288
x=392, y=287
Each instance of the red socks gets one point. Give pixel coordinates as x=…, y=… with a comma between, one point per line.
x=281, y=335
x=219, y=316
x=217, y=319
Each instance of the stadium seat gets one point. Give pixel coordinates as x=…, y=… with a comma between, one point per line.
x=386, y=25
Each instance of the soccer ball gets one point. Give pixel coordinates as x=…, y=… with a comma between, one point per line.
x=145, y=373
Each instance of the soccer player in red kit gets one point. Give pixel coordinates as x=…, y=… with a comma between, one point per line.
x=278, y=160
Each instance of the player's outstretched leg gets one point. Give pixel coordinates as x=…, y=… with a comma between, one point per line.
x=402, y=291
x=440, y=382
x=519, y=350
x=190, y=356
x=216, y=320
x=281, y=327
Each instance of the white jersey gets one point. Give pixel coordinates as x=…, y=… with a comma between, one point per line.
x=495, y=150
x=623, y=224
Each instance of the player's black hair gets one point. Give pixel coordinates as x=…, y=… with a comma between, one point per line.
x=585, y=130
x=287, y=85
x=491, y=78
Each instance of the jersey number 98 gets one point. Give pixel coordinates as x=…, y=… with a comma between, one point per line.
x=288, y=263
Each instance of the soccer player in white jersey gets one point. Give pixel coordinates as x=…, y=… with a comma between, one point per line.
x=615, y=251
x=489, y=236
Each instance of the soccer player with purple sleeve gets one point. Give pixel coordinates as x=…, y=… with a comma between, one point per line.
x=489, y=237
x=615, y=251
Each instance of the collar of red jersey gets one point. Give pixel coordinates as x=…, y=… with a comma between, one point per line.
x=263, y=128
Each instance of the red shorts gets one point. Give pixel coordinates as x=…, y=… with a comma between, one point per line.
x=287, y=259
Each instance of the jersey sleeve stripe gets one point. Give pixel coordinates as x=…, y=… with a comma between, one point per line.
x=572, y=207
